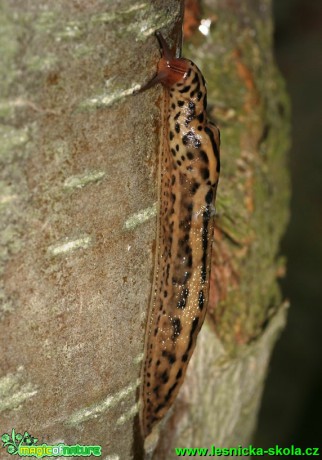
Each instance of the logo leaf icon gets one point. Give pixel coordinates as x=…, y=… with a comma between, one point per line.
x=12, y=450
x=5, y=437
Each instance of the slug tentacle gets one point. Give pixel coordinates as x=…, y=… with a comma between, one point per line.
x=190, y=167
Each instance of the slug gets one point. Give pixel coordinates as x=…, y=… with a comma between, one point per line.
x=189, y=171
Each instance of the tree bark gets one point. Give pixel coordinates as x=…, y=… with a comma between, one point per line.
x=78, y=201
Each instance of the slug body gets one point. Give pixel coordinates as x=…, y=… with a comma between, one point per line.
x=189, y=176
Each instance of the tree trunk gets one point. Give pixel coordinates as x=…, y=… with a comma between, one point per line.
x=78, y=204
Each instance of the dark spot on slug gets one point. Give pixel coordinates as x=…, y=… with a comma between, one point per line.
x=159, y=407
x=164, y=377
x=177, y=127
x=190, y=138
x=189, y=261
x=171, y=357
x=177, y=148
x=214, y=146
x=181, y=103
x=192, y=106
x=201, y=300
x=183, y=298
x=203, y=274
x=209, y=196
x=171, y=135
x=205, y=102
x=199, y=96
x=177, y=327
x=177, y=116
x=204, y=156
x=185, y=89
x=173, y=152
x=184, y=357
x=168, y=396
x=200, y=117
x=194, y=325
x=194, y=188
x=204, y=173
x=190, y=155
x=185, y=138
x=195, y=79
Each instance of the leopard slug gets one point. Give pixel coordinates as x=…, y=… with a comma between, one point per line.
x=189, y=171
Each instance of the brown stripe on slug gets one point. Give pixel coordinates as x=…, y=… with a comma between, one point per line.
x=189, y=172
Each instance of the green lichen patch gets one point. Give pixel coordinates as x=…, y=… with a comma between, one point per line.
x=96, y=410
x=81, y=181
x=11, y=138
x=247, y=100
x=70, y=245
x=140, y=217
x=14, y=390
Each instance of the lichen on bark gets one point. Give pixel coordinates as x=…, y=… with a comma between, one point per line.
x=250, y=105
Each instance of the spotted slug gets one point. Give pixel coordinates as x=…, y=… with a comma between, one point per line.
x=189, y=168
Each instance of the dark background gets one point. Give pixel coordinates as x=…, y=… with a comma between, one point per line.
x=291, y=412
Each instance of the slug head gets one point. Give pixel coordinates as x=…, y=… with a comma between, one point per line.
x=171, y=70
